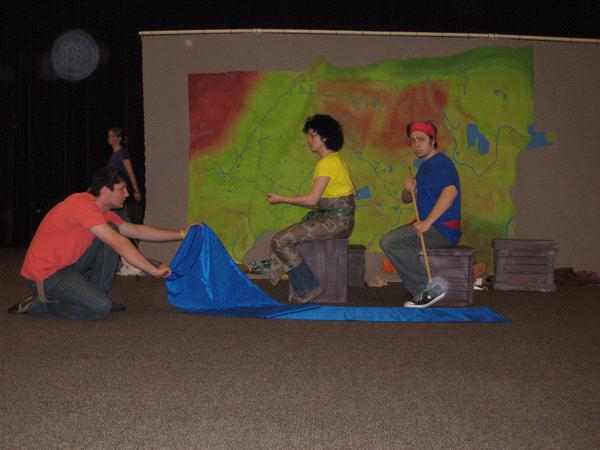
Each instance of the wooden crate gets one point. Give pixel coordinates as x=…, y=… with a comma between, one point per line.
x=356, y=265
x=328, y=260
x=524, y=265
x=455, y=265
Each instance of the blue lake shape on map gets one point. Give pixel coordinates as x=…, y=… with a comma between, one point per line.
x=538, y=138
x=364, y=193
x=476, y=138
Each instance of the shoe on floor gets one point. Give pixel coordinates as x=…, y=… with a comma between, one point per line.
x=427, y=298
x=128, y=270
x=22, y=307
x=118, y=307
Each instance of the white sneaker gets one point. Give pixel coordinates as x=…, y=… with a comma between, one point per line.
x=128, y=270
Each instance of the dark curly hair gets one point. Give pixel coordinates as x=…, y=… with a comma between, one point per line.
x=105, y=177
x=328, y=128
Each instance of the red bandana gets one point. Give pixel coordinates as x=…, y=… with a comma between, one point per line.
x=425, y=127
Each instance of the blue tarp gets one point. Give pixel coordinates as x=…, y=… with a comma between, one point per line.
x=205, y=280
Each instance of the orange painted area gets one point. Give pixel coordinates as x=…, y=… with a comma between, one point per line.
x=365, y=125
x=217, y=101
x=387, y=267
x=378, y=116
x=422, y=102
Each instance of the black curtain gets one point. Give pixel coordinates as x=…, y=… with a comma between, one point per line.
x=54, y=131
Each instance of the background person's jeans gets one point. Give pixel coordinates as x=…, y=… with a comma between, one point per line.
x=79, y=291
x=402, y=245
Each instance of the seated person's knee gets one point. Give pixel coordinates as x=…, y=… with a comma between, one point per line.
x=384, y=242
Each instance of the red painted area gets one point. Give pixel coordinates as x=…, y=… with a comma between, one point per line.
x=365, y=124
x=359, y=125
x=422, y=102
x=217, y=101
x=379, y=117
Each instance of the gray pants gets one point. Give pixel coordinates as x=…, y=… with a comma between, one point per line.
x=402, y=245
x=79, y=291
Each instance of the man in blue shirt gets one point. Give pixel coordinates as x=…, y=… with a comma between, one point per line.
x=437, y=189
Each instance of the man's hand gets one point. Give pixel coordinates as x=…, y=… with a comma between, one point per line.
x=186, y=230
x=409, y=188
x=161, y=271
x=421, y=227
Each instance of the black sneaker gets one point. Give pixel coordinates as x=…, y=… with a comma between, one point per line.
x=118, y=307
x=22, y=307
x=427, y=298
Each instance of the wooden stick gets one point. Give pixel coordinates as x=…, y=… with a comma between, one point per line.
x=414, y=200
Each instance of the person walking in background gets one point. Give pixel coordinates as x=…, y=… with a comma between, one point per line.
x=133, y=210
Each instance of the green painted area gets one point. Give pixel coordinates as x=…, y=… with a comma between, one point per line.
x=490, y=87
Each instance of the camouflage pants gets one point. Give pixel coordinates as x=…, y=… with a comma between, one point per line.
x=326, y=225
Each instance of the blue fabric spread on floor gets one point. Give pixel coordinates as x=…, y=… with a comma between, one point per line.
x=205, y=280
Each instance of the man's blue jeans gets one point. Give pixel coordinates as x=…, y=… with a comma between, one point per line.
x=79, y=291
x=402, y=245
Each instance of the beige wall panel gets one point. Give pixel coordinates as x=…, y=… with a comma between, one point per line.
x=558, y=187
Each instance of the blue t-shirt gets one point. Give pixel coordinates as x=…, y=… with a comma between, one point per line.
x=116, y=161
x=433, y=176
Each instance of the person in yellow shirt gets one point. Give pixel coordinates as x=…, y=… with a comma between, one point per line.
x=331, y=200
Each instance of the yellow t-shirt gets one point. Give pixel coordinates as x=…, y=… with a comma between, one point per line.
x=334, y=167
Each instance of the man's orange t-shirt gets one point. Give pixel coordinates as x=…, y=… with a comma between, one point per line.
x=64, y=235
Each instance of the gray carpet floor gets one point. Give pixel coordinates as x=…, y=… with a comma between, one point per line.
x=157, y=378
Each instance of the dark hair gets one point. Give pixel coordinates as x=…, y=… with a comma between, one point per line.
x=431, y=138
x=120, y=133
x=328, y=128
x=105, y=177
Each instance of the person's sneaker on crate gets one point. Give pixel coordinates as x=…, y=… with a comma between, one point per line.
x=22, y=307
x=261, y=267
x=427, y=298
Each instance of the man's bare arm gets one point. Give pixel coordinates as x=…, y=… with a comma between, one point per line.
x=127, y=250
x=444, y=202
x=150, y=233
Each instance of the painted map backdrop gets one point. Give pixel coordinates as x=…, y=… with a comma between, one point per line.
x=246, y=139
